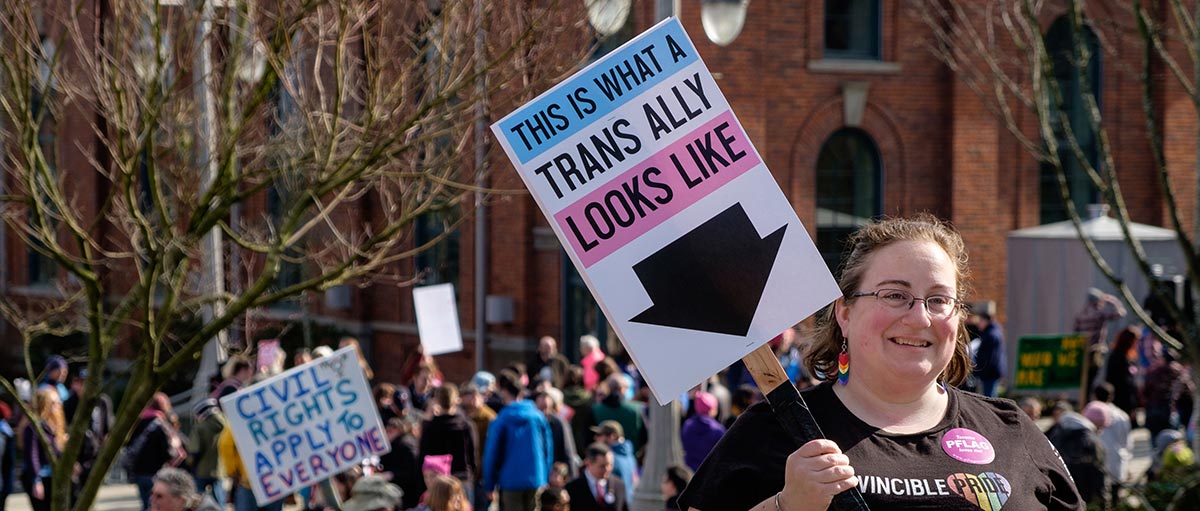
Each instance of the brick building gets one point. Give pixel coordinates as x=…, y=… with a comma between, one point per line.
x=855, y=117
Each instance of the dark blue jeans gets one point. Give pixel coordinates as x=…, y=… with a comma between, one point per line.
x=243, y=500
x=482, y=500
x=144, y=485
x=6, y=487
x=988, y=387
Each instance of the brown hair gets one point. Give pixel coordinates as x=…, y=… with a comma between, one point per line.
x=606, y=367
x=446, y=397
x=821, y=356
x=553, y=499
x=383, y=390
x=1125, y=345
x=442, y=492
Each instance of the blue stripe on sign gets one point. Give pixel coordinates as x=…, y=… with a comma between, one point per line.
x=596, y=91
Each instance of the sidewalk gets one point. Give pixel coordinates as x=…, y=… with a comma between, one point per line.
x=113, y=497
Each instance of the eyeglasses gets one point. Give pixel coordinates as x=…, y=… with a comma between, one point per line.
x=937, y=305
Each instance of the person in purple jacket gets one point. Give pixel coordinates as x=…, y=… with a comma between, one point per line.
x=701, y=431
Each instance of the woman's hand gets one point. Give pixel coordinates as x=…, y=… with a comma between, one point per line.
x=39, y=491
x=814, y=474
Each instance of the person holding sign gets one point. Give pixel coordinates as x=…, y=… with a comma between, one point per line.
x=891, y=351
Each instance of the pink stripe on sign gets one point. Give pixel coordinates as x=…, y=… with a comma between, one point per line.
x=657, y=188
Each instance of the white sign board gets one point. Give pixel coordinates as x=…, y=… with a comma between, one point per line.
x=437, y=319
x=305, y=425
x=666, y=208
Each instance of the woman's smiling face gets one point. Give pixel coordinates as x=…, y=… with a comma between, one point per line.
x=901, y=345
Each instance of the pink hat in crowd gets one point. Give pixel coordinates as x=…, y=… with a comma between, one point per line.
x=1098, y=413
x=704, y=403
x=439, y=464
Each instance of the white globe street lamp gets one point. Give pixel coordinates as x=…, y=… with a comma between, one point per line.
x=723, y=19
x=607, y=16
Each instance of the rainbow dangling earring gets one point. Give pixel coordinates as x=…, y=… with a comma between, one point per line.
x=843, y=365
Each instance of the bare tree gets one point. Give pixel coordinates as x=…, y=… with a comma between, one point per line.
x=174, y=118
x=999, y=49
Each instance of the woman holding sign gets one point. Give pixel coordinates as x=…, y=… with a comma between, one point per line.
x=891, y=350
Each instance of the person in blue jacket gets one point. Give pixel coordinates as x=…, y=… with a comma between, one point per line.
x=989, y=358
x=519, y=449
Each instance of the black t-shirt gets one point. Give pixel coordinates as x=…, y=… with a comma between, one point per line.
x=984, y=454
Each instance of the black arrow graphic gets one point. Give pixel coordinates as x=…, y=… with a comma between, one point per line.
x=711, y=278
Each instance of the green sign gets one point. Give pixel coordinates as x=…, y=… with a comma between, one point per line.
x=1050, y=362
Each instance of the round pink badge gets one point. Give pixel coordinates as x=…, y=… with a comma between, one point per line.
x=968, y=446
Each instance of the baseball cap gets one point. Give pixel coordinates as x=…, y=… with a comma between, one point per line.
x=483, y=380
x=609, y=427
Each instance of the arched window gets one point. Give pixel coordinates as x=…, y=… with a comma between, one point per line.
x=1074, y=79
x=849, y=184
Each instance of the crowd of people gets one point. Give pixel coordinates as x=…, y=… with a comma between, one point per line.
x=546, y=434
x=28, y=446
x=531, y=436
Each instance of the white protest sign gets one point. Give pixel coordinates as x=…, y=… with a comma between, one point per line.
x=666, y=208
x=437, y=319
x=305, y=425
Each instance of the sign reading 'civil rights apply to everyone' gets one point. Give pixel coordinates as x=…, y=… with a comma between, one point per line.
x=305, y=425
x=666, y=208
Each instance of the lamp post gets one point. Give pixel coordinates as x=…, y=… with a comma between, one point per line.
x=211, y=254
x=723, y=19
x=481, y=183
x=663, y=449
x=250, y=69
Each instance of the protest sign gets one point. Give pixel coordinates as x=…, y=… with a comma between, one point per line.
x=305, y=425
x=666, y=209
x=437, y=319
x=268, y=355
x=1050, y=362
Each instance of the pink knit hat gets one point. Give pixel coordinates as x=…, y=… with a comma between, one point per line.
x=1098, y=413
x=704, y=402
x=439, y=464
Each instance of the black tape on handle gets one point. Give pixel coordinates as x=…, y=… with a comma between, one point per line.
x=798, y=420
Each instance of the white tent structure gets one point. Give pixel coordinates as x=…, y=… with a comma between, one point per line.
x=1050, y=271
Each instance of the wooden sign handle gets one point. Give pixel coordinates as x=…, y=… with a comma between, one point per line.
x=793, y=413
